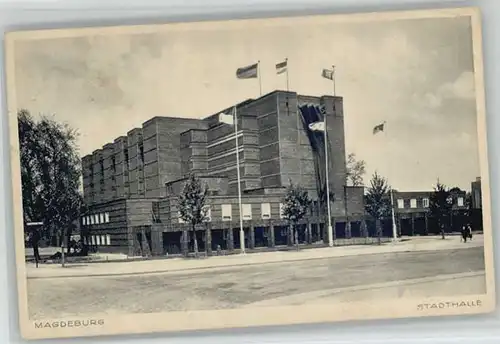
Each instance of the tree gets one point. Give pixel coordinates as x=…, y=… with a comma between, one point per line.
x=378, y=202
x=192, y=205
x=356, y=169
x=440, y=206
x=296, y=203
x=50, y=175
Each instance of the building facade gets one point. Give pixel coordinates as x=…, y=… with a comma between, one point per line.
x=412, y=215
x=131, y=185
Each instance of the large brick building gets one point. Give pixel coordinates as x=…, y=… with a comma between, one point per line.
x=131, y=184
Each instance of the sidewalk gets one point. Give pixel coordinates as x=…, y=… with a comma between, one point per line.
x=178, y=265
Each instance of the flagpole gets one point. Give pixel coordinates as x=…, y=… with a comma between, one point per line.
x=394, y=228
x=333, y=80
x=287, y=84
x=242, y=232
x=330, y=228
x=260, y=81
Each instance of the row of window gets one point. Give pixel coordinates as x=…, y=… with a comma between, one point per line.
x=425, y=203
x=95, y=219
x=246, y=212
x=98, y=240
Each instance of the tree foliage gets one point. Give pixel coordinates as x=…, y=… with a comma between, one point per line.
x=50, y=174
x=192, y=205
x=378, y=201
x=356, y=169
x=296, y=204
x=441, y=205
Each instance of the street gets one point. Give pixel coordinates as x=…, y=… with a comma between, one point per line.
x=253, y=285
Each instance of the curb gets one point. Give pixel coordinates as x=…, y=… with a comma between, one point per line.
x=219, y=267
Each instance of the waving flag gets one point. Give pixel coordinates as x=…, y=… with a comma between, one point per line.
x=248, y=72
x=281, y=67
x=328, y=74
x=378, y=128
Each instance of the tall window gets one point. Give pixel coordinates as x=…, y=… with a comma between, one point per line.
x=246, y=210
x=425, y=203
x=227, y=210
x=266, y=211
x=401, y=203
x=413, y=203
x=460, y=201
x=125, y=154
x=141, y=152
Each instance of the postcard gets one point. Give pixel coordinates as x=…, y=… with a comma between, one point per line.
x=245, y=173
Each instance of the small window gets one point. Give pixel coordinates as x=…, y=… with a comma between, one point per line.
x=425, y=203
x=98, y=240
x=92, y=240
x=106, y=217
x=401, y=203
x=413, y=203
x=103, y=240
x=227, y=210
x=246, y=210
x=96, y=219
x=92, y=219
x=108, y=239
x=208, y=214
x=84, y=221
x=266, y=211
x=460, y=201
x=101, y=218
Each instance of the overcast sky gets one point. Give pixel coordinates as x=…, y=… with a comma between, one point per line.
x=417, y=75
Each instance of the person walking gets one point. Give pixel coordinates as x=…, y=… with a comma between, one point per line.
x=35, y=242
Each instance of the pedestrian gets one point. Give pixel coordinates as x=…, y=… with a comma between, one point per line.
x=464, y=233
x=469, y=231
x=35, y=242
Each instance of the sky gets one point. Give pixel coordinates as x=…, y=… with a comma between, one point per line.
x=414, y=74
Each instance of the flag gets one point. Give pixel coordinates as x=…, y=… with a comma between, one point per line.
x=281, y=67
x=226, y=118
x=328, y=74
x=378, y=128
x=247, y=72
x=317, y=126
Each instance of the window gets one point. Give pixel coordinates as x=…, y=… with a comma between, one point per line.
x=84, y=221
x=96, y=219
x=281, y=210
x=101, y=218
x=460, y=201
x=108, y=239
x=425, y=203
x=92, y=219
x=92, y=239
x=401, y=203
x=98, y=240
x=141, y=152
x=227, y=212
x=246, y=210
x=208, y=214
x=265, y=210
x=103, y=240
x=413, y=203
x=106, y=217
x=113, y=164
x=125, y=152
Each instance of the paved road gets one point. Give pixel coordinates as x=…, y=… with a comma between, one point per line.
x=240, y=286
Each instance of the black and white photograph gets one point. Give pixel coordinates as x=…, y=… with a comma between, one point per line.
x=209, y=175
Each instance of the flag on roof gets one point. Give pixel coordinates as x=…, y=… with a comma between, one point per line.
x=328, y=74
x=247, y=72
x=281, y=67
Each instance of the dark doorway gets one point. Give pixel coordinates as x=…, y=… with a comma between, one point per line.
x=172, y=242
